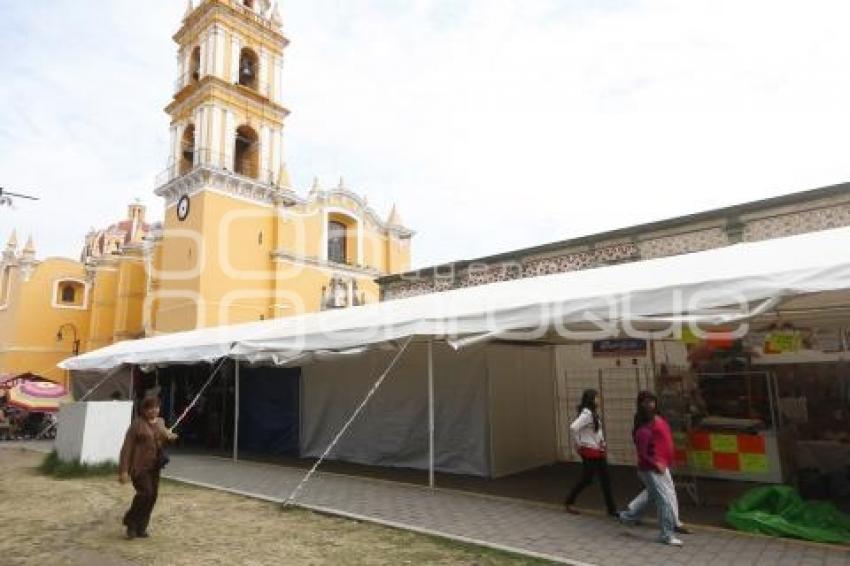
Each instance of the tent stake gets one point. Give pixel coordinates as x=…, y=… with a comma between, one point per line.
x=236, y=412
x=431, y=414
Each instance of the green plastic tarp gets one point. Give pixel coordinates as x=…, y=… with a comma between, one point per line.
x=779, y=511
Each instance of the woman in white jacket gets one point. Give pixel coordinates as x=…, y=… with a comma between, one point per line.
x=589, y=441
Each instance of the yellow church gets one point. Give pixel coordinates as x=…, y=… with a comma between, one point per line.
x=237, y=243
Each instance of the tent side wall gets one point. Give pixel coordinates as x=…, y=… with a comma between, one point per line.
x=393, y=428
x=522, y=404
x=269, y=413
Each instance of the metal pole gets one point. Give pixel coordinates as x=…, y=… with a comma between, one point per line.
x=132, y=395
x=236, y=412
x=172, y=395
x=431, y=414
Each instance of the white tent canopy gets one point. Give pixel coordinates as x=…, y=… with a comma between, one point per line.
x=713, y=286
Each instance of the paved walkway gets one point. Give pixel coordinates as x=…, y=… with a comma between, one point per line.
x=526, y=527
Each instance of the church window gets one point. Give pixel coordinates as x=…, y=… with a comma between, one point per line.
x=248, y=68
x=336, y=242
x=195, y=64
x=248, y=3
x=187, y=149
x=68, y=294
x=246, y=152
x=260, y=238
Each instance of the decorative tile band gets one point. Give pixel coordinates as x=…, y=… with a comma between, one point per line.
x=688, y=242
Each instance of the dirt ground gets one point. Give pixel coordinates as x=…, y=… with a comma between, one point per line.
x=78, y=521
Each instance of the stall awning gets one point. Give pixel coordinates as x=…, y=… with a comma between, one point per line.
x=713, y=286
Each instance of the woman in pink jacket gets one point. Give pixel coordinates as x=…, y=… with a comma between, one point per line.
x=654, y=442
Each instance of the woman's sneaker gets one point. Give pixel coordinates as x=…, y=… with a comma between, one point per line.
x=672, y=541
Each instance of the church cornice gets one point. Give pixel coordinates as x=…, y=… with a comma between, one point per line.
x=341, y=268
x=212, y=87
x=232, y=12
x=227, y=182
x=321, y=197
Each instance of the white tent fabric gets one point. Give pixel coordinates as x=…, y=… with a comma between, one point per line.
x=667, y=287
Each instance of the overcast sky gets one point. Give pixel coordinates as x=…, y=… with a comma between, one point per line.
x=493, y=124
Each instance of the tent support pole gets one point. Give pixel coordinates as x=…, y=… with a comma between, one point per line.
x=132, y=396
x=431, y=414
x=236, y=411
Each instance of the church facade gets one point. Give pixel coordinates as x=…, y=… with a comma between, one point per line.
x=237, y=243
x=55, y=307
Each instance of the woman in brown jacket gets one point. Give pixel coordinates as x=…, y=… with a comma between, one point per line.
x=140, y=463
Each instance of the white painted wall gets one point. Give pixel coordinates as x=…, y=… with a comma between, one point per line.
x=218, y=37
x=264, y=152
x=264, y=71
x=235, y=49
x=229, y=139
x=93, y=432
x=278, y=82
x=216, y=148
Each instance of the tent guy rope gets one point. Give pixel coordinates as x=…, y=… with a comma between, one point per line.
x=291, y=497
x=198, y=396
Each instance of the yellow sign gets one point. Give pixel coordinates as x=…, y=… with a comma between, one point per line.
x=688, y=336
x=784, y=341
x=724, y=443
x=754, y=463
x=701, y=459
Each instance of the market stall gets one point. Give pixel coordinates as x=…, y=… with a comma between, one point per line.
x=811, y=365
x=770, y=407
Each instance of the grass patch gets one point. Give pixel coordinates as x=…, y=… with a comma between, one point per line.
x=54, y=467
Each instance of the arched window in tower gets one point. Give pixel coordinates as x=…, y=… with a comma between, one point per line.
x=336, y=242
x=187, y=149
x=246, y=152
x=248, y=3
x=248, y=68
x=195, y=65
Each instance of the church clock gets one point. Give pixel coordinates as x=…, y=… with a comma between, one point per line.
x=183, y=208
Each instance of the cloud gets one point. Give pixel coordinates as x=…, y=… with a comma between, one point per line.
x=493, y=124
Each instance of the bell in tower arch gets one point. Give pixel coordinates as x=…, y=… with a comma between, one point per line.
x=259, y=6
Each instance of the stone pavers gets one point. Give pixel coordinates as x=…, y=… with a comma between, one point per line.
x=530, y=528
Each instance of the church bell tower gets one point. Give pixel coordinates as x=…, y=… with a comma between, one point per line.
x=227, y=110
x=237, y=243
x=226, y=160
